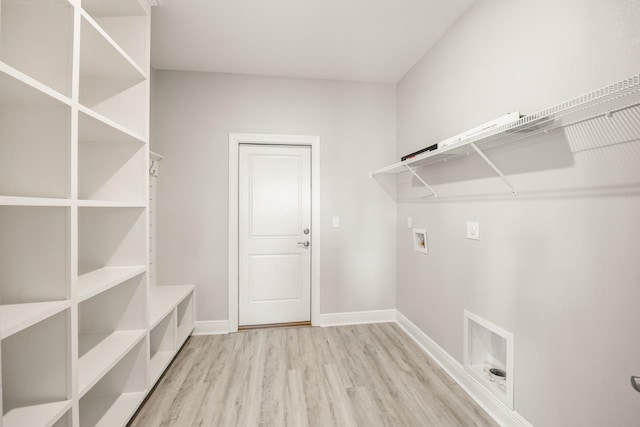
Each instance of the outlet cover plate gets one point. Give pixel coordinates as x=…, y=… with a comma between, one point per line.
x=473, y=230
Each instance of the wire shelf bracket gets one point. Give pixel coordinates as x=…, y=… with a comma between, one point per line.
x=494, y=167
x=413, y=171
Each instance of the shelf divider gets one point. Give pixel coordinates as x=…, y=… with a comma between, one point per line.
x=18, y=88
x=159, y=362
x=102, y=279
x=111, y=204
x=33, y=201
x=96, y=127
x=38, y=414
x=17, y=317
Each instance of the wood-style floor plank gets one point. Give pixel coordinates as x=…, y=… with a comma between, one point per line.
x=364, y=375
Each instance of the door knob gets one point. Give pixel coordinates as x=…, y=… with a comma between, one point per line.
x=304, y=244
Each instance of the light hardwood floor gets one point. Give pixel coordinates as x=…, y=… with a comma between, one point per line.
x=365, y=375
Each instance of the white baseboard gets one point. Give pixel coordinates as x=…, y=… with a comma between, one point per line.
x=216, y=327
x=357, y=317
x=494, y=407
x=211, y=327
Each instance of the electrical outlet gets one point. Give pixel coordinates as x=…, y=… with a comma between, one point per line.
x=409, y=222
x=335, y=222
x=473, y=230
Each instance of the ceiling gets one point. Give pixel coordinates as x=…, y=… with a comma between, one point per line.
x=359, y=40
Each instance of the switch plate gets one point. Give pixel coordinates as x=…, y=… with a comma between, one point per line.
x=335, y=222
x=409, y=222
x=473, y=230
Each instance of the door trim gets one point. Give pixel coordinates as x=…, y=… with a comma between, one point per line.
x=235, y=139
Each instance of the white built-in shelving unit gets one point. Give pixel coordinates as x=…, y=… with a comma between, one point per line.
x=84, y=334
x=616, y=102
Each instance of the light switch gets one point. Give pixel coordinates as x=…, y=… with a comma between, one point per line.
x=335, y=222
x=409, y=222
x=473, y=230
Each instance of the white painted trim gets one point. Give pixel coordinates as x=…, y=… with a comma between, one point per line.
x=357, y=317
x=211, y=327
x=235, y=139
x=491, y=404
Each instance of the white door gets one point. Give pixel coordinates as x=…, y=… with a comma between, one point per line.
x=274, y=234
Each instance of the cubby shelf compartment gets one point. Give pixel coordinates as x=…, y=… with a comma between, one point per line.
x=111, y=83
x=101, y=56
x=604, y=102
x=16, y=88
x=488, y=346
x=97, y=128
x=126, y=23
x=35, y=382
x=103, y=279
x=110, y=325
x=111, y=237
x=116, y=410
x=162, y=346
x=111, y=161
x=37, y=40
x=44, y=414
x=163, y=299
x=101, y=357
x=114, y=399
x=35, y=133
x=33, y=236
x=16, y=317
x=65, y=420
x=114, y=7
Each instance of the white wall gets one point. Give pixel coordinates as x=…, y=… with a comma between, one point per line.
x=557, y=264
x=194, y=114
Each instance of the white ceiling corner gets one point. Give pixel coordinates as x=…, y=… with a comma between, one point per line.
x=360, y=40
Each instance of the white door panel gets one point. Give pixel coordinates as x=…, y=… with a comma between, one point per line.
x=275, y=278
x=274, y=210
x=275, y=196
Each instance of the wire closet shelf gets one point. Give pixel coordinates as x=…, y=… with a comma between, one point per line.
x=606, y=102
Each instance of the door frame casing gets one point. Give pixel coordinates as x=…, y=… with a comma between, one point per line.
x=235, y=140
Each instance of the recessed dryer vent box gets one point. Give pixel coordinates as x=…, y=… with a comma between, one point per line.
x=488, y=347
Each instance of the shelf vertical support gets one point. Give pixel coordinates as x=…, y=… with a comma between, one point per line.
x=413, y=171
x=494, y=167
